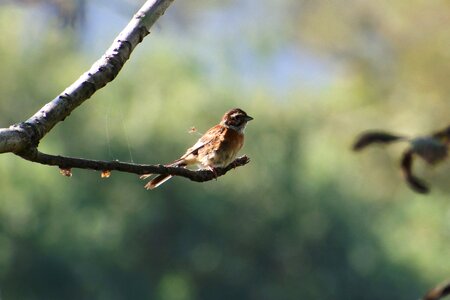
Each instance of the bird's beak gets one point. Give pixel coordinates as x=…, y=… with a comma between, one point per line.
x=248, y=118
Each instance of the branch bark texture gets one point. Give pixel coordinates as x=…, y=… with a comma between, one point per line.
x=25, y=135
x=67, y=163
x=23, y=138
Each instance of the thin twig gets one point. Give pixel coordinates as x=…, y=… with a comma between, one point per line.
x=23, y=138
x=67, y=163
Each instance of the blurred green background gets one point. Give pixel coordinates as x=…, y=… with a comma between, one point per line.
x=306, y=219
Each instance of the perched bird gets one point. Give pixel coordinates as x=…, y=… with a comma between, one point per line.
x=218, y=147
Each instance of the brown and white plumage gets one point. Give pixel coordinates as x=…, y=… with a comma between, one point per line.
x=218, y=147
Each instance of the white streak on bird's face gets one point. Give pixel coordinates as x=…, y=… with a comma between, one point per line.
x=236, y=119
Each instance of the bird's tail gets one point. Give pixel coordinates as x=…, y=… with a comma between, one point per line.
x=160, y=179
x=157, y=181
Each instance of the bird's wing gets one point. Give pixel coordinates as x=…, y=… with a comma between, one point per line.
x=211, y=137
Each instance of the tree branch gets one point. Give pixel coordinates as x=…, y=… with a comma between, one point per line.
x=20, y=137
x=23, y=138
x=67, y=163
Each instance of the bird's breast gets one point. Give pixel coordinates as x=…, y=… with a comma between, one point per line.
x=230, y=145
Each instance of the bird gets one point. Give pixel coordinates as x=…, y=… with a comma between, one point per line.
x=217, y=148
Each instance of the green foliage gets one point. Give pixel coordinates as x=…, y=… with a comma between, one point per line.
x=306, y=219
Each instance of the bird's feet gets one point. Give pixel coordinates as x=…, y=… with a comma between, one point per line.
x=212, y=169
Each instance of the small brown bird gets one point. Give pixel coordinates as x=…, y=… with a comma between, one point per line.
x=218, y=147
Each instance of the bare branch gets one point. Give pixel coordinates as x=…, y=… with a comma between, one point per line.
x=13, y=139
x=27, y=134
x=67, y=163
x=23, y=138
